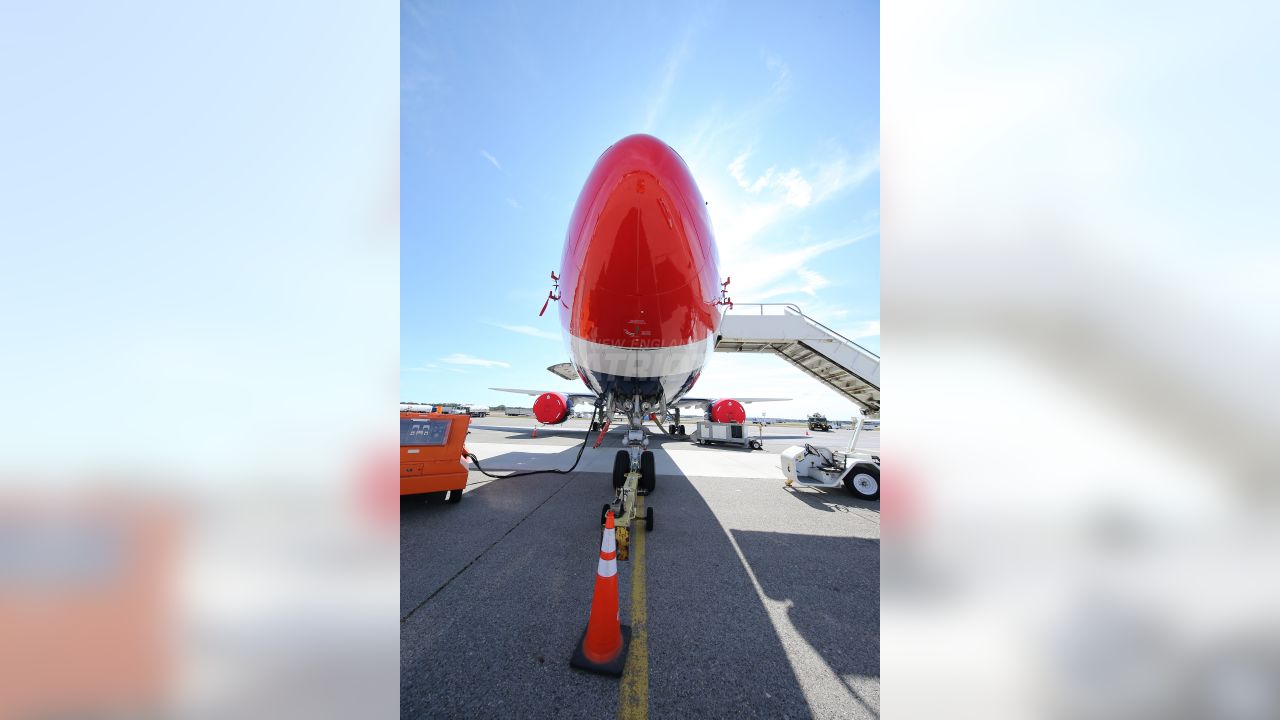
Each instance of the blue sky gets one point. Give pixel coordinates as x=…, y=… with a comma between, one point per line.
x=504, y=109
x=198, y=211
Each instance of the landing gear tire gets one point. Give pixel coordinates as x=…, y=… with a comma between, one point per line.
x=648, y=477
x=648, y=520
x=621, y=464
x=595, y=426
x=671, y=430
x=455, y=496
x=864, y=482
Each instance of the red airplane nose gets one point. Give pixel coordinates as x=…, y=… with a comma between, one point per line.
x=639, y=267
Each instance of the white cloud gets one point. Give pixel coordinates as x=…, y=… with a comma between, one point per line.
x=741, y=215
x=761, y=274
x=762, y=216
x=674, y=61
x=512, y=202
x=485, y=154
x=813, y=282
x=868, y=328
x=844, y=171
x=781, y=72
x=462, y=359
x=529, y=330
x=795, y=189
x=737, y=170
x=799, y=192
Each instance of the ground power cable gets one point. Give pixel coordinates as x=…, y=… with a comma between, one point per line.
x=590, y=429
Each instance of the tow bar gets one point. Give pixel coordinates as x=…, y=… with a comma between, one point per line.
x=624, y=511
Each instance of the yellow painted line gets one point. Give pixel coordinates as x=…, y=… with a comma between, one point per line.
x=633, y=694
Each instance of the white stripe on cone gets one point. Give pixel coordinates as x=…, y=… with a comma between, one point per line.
x=608, y=568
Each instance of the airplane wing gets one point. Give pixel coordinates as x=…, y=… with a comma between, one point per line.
x=518, y=391
x=702, y=403
x=574, y=397
x=566, y=371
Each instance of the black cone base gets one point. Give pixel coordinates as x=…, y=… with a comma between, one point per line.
x=613, y=667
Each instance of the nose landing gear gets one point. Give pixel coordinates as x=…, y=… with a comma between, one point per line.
x=634, y=476
x=622, y=465
x=625, y=505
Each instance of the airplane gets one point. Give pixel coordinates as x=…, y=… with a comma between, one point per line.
x=639, y=297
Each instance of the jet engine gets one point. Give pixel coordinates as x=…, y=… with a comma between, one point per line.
x=551, y=408
x=727, y=410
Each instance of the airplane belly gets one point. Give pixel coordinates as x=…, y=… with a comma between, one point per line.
x=664, y=373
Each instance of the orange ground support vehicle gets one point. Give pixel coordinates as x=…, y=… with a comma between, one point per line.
x=431, y=453
x=88, y=608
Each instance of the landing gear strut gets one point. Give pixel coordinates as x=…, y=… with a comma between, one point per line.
x=622, y=466
x=633, y=476
x=625, y=510
x=675, y=429
x=639, y=457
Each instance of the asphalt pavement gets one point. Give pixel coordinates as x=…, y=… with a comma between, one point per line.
x=759, y=601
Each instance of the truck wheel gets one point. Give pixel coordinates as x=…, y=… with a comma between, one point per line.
x=621, y=464
x=648, y=520
x=648, y=477
x=864, y=481
x=455, y=496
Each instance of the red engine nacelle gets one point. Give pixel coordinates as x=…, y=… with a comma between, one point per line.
x=551, y=408
x=728, y=411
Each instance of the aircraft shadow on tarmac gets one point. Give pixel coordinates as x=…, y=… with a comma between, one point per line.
x=838, y=616
x=831, y=499
x=495, y=590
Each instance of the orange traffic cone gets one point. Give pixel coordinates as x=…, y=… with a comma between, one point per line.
x=603, y=647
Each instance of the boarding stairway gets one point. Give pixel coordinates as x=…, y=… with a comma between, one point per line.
x=781, y=328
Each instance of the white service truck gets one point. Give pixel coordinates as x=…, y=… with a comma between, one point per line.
x=813, y=466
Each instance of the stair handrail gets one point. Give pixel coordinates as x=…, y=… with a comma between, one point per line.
x=798, y=311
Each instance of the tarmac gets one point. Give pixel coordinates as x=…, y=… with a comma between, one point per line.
x=748, y=599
